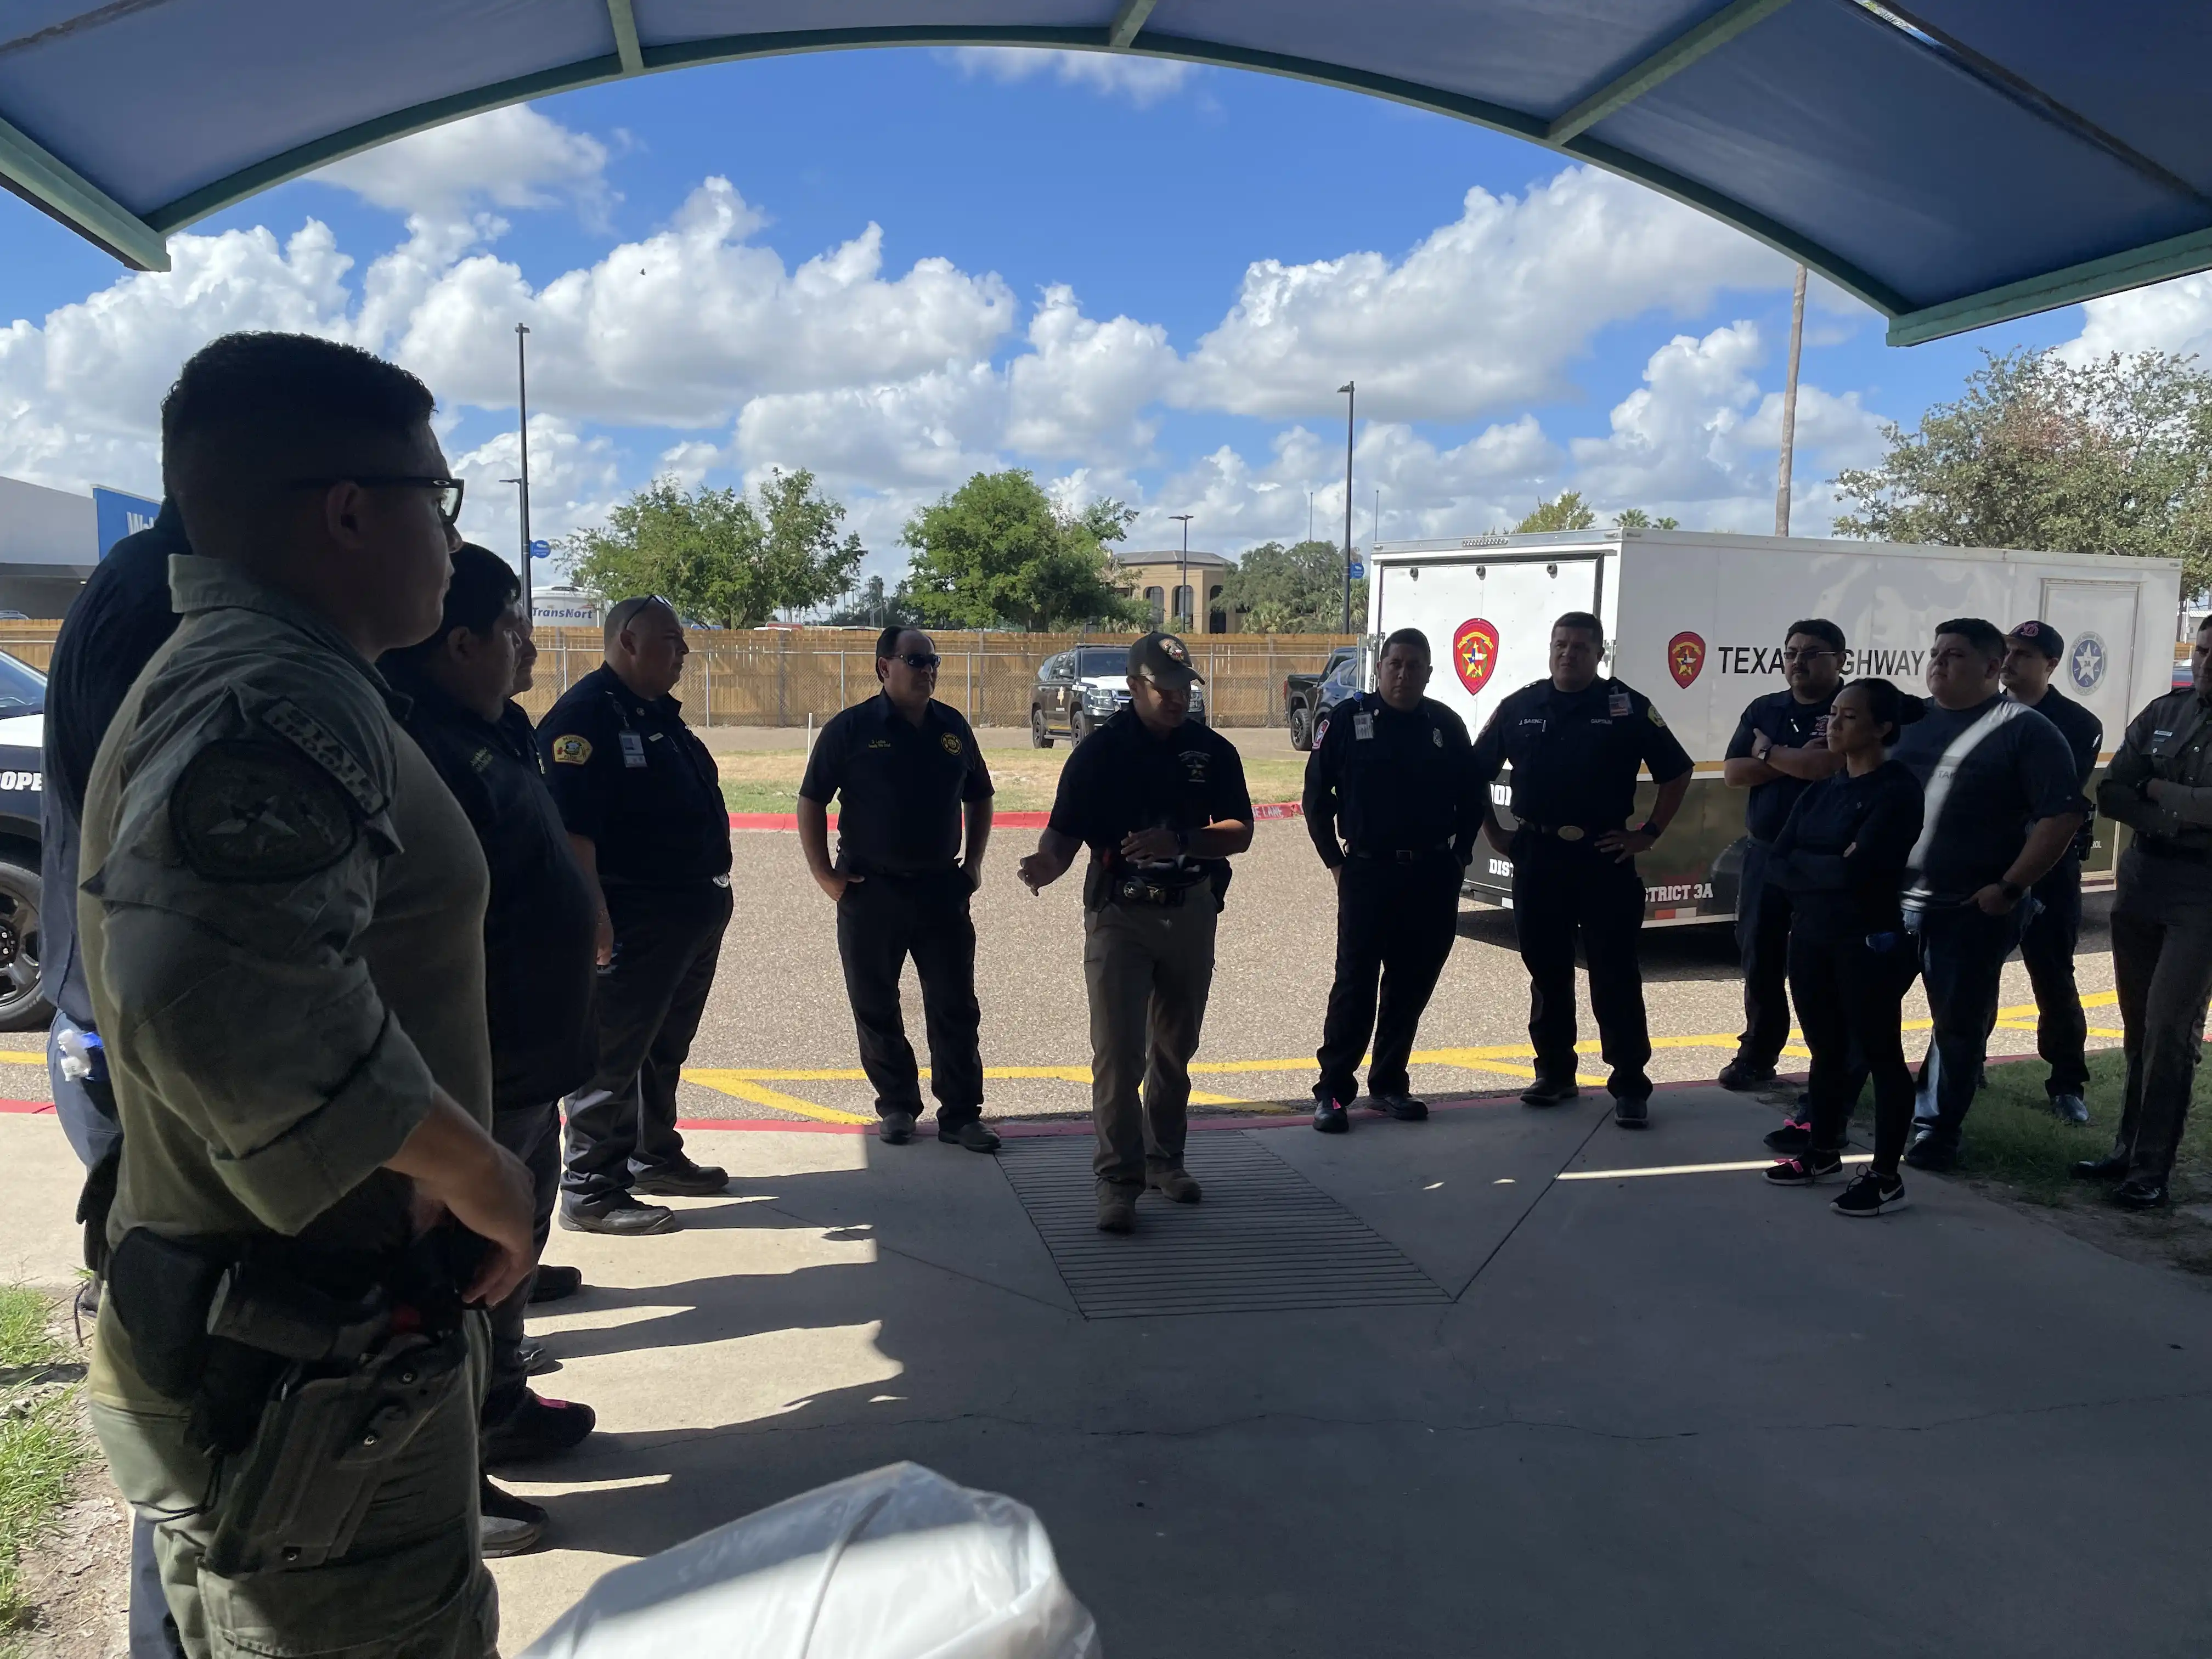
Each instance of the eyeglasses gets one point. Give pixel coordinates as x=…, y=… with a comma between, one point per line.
x=921, y=661
x=1789, y=655
x=449, y=490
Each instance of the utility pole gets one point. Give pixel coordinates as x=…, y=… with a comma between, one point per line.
x=1789, y=406
x=522, y=409
x=1350, y=406
x=1182, y=575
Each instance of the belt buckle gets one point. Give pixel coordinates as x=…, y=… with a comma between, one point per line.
x=1569, y=832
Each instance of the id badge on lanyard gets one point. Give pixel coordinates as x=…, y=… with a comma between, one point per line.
x=633, y=750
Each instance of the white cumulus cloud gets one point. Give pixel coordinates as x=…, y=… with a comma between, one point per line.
x=514, y=157
x=1143, y=81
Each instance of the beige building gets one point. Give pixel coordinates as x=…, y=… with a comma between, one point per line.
x=1172, y=582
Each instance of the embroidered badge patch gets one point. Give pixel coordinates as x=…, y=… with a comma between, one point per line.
x=1657, y=718
x=250, y=809
x=571, y=750
x=950, y=742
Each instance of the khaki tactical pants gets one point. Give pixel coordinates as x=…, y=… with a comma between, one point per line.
x=1148, y=968
x=412, y=1585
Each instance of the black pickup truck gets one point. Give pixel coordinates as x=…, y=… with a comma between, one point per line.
x=1307, y=697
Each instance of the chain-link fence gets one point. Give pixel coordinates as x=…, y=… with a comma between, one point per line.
x=780, y=676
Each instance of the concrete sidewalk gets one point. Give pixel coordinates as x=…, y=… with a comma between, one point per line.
x=1670, y=1414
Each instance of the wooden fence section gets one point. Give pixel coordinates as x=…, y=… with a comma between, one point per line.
x=781, y=676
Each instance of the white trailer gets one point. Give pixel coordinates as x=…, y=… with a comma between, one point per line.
x=1695, y=620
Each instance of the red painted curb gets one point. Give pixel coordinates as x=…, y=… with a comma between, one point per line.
x=1263, y=813
x=26, y=1107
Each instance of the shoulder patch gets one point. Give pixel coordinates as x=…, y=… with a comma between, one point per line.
x=1656, y=718
x=571, y=749
x=251, y=810
x=315, y=740
x=951, y=742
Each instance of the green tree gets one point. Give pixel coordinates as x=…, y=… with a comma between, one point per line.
x=997, y=552
x=873, y=606
x=718, y=555
x=2113, y=456
x=1635, y=518
x=1298, y=589
x=1566, y=511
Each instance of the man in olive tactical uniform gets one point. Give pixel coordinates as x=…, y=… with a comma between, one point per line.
x=281, y=919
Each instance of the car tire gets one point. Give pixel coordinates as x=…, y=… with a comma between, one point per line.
x=1039, y=738
x=21, y=1007
x=1078, y=727
x=1301, y=727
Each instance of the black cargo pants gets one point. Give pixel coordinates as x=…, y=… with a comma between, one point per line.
x=882, y=921
x=1563, y=891
x=1395, y=917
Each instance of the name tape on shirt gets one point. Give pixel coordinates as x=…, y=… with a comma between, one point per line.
x=316, y=742
x=571, y=750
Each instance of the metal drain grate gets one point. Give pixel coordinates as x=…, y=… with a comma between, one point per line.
x=1265, y=1239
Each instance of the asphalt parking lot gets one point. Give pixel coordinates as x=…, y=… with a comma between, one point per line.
x=779, y=1005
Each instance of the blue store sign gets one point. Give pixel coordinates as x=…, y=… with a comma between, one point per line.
x=117, y=515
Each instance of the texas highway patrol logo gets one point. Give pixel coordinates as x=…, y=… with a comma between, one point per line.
x=1686, y=656
x=2085, y=664
x=572, y=751
x=1474, y=651
x=951, y=743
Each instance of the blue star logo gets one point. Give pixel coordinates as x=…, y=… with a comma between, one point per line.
x=2087, y=665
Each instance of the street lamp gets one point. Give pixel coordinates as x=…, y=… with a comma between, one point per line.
x=1182, y=575
x=1352, y=404
x=522, y=409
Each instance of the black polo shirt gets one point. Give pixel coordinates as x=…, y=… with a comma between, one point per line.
x=1788, y=724
x=2085, y=735
x=538, y=917
x=1576, y=755
x=631, y=777
x=1122, y=779
x=1391, y=781
x=899, y=785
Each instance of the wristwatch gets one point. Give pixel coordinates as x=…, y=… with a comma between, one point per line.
x=2013, y=891
x=1648, y=828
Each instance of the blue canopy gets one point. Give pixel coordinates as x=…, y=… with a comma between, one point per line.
x=1955, y=164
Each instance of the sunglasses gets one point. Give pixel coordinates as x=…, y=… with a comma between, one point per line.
x=921, y=661
x=448, y=490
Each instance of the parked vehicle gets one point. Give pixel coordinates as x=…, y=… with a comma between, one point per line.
x=1694, y=621
x=22, y=787
x=1307, y=697
x=1079, y=690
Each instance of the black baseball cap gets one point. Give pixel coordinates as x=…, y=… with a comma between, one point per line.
x=1165, y=661
x=2043, y=636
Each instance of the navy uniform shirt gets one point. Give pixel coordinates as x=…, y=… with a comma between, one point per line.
x=1575, y=754
x=632, y=778
x=2085, y=735
x=1122, y=779
x=1841, y=854
x=539, y=918
x=1980, y=809
x=899, y=785
x=1392, y=781
x=1788, y=724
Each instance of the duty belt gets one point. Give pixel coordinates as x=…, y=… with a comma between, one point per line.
x=1401, y=854
x=1566, y=832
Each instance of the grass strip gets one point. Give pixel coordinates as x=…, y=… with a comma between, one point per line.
x=41, y=1445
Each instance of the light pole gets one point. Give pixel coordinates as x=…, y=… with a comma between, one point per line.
x=1789, y=406
x=1351, y=405
x=522, y=407
x=1182, y=572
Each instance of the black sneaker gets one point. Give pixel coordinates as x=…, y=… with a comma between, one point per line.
x=1870, y=1194
x=1806, y=1170
x=2141, y=1193
x=2113, y=1166
x=505, y=1525
x=1795, y=1135
x=536, y=1362
x=1549, y=1091
x=1740, y=1077
x=1330, y=1117
x=1404, y=1108
x=2069, y=1109
x=535, y=1428
x=681, y=1178
x=621, y=1217
x=972, y=1135
x=1928, y=1153
x=1633, y=1111
x=894, y=1128
x=553, y=1284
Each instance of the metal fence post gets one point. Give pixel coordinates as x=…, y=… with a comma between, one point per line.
x=782, y=678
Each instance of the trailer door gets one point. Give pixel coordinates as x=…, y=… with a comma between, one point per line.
x=2098, y=620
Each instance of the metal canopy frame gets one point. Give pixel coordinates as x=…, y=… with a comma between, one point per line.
x=138, y=240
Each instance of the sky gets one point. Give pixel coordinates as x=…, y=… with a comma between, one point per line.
x=1138, y=279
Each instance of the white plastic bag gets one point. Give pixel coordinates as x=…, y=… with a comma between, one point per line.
x=897, y=1563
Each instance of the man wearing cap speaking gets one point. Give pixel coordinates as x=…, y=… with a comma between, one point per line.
x=1162, y=806
x=2033, y=653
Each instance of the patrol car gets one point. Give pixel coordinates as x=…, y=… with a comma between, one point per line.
x=1079, y=691
x=22, y=785
x=1694, y=620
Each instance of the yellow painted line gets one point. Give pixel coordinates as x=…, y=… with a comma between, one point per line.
x=1198, y=1098
x=22, y=1057
x=2106, y=1031
x=1688, y=1168
x=744, y=1088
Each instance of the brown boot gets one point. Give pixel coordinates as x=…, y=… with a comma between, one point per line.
x=1173, y=1185
x=1117, y=1209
